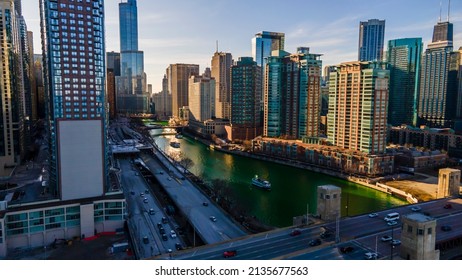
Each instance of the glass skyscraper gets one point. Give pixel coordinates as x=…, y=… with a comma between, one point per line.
x=132, y=96
x=292, y=94
x=403, y=58
x=438, y=88
x=74, y=78
x=371, y=40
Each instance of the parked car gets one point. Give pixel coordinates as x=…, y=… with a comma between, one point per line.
x=295, y=232
x=315, y=242
x=164, y=220
x=347, y=249
x=164, y=237
x=172, y=234
x=145, y=240
x=213, y=219
x=145, y=200
x=230, y=253
x=161, y=230
x=370, y=256
x=151, y=211
x=178, y=247
x=146, y=191
x=386, y=238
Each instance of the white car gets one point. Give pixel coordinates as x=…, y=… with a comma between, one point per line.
x=372, y=215
x=370, y=256
x=173, y=233
x=392, y=223
x=386, y=238
x=416, y=209
x=395, y=242
x=213, y=219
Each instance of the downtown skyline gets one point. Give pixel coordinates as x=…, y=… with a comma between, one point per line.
x=329, y=28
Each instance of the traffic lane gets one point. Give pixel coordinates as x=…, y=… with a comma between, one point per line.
x=455, y=223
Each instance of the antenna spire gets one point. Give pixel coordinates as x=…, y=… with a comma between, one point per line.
x=439, y=19
x=449, y=8
x=217, y=46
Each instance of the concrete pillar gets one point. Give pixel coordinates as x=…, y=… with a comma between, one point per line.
x=448, y=182
x=328, y=202
x=418, y=236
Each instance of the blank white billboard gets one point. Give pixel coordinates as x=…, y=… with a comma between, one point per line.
x=80, y=158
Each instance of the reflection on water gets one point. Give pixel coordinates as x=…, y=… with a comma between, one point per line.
x=292, y=189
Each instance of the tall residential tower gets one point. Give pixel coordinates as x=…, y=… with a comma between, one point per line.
x=371, y=40
x=221, y=68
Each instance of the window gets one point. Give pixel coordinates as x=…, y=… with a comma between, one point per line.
x=429, y=231
x=409, y=228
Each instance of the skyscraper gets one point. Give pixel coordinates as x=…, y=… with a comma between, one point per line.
x=201, y=98
x=403, y=58
x=264, y=43
x=178, y=78
x=245, y=100
x=221, y=68
x=292, y=94
x=74, y=71
x=132, y=96
x=438, y=89
x=358, y=100
x=371, y=40
x=112, y=71
x=163, y=101
x=12, y=89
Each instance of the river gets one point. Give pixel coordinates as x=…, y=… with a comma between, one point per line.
x=292, y=189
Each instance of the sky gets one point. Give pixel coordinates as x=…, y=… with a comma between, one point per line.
x=186, y=31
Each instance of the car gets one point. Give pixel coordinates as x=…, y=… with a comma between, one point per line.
x=161, y=172
x=178, y=247
x=169, y=178
x=169, y=250
x=213, y=219
x=205, y=203
x=386, y=238
x=151, y=211
x=229, y=253
x=395, y=242
x=164, y=237
x=446, y=228
x=372, y=215
x=137, y=174
x=159, y=225
x=172, y=234
x=164, y=220
x=370, y=256
x=146, y=191
x=161, y=230
x=447, y=206
x=295, y=232
x=392, y=223
x=347, y=249
x=142, y=194
x=326, y=234
x=145, y=200
x=145, y=240
x=416, y=209
x=315, y=242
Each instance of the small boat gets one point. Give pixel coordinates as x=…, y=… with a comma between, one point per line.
x=175, y=144
x=261, y=183
x=178, y=136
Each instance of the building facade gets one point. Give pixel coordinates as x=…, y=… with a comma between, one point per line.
x=358, y=107
x=162, y=101
x=245, y=123
x=12, y=117
x=74, y=71
x=112, y=71
x=438, y=84
x=132, y=96
x=178, y=84
x=201, y=96
x=403, y=58
x=292, y=95
x=371, y=40
x=221, y=68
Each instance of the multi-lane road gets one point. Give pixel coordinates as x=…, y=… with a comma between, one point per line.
x=362, y=233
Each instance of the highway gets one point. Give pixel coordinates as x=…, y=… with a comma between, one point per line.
x=190, y=201
x=363, y=233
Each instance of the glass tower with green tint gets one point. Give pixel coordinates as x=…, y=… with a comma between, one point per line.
x=403, y=58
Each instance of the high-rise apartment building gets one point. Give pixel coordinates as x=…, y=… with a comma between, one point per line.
x=246, y=89
x=438, y=84
x=292, y=94
x=74, y=71
x=12, y=97
x=178, y=84
x=39, y=86
x=221, y=68
x=201, y=98
x=264, y=43
x=132, y=96
x=162, y=101
x=403, y=58
x=358, y=105
x=112, y=71
x=371, y=40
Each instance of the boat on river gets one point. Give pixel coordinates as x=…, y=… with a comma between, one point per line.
x=263, y=184
x=175, y=144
